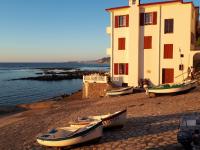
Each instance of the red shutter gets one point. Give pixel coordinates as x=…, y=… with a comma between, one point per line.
x=121, y=44
x=127, y=20
x=142, y=19
x=116, y=21
x=126, y=68
x=147, y=42
x=167, y=76
x=116, y=69
x=154, y=18
x=168, y=51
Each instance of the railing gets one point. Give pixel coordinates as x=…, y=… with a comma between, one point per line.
x=95, y=78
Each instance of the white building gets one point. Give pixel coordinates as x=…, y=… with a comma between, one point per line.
x=155, y=41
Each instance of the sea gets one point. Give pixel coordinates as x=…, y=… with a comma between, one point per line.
x=13, y=92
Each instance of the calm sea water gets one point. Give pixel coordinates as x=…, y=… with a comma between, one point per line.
x=25, y=91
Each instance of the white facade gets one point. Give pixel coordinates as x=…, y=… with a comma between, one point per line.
x=149, y=63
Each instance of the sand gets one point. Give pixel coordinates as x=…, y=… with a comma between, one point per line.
x=152, y=122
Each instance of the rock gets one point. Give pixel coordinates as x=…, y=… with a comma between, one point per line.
x=52, y=76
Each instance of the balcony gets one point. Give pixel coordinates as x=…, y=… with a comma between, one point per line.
x=95, y=78
x=109, y=30
x=109, y=51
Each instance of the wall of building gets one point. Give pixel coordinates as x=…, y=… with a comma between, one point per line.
x=181, y=38
x=149, y=58
x=148, y=63
x=121, y=56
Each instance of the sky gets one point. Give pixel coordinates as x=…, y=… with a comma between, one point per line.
x=55, y=30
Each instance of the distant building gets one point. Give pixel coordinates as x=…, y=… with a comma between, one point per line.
x=152, y=40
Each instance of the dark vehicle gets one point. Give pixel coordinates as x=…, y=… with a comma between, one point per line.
x=189, y=132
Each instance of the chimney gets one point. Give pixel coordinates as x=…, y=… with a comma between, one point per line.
x=134, y=2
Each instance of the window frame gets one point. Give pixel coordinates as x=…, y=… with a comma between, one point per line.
x=148, y=21
x=122, y=21
x=121, y=68
x=167, y=27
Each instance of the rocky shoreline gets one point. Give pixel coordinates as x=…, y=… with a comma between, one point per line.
x=50, y=75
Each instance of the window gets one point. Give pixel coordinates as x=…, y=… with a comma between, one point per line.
x=147, y=42
x=168, y=51
x=148, y=18
x=169, y=25
x=181, y=67
x=121, y=68
x=121, y=21
x=121, y=43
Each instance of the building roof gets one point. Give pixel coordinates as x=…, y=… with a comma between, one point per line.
x=153, y=3
x=167, y=2
x=114, y=8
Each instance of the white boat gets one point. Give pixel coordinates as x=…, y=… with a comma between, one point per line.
x=121, y=91
x=68, y=136
x=170, y=88
x=117, y=119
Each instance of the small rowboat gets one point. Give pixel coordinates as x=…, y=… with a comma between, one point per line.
x=170, y=88
x=68, y=136
x=117, y=119
x=121, y=91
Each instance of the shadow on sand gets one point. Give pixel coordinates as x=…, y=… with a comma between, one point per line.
x=143, y=126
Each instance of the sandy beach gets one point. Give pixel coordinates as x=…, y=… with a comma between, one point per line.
x=152, y=122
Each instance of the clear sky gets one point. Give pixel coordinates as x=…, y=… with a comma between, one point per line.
x=54, y=30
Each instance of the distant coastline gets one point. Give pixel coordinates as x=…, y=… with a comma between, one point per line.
x=101, y=61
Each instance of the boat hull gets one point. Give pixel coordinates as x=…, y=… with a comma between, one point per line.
x=117, y=119
x=90, y=136
x=186, y=87
x=120, y=92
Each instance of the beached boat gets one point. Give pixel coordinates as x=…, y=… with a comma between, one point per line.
x=117, y=119
x=170, y=88
x=121, y=91
x=67, y=136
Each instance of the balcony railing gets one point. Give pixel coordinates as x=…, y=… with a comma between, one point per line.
x=95, y=78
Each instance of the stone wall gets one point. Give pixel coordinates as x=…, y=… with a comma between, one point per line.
x=95, y=90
